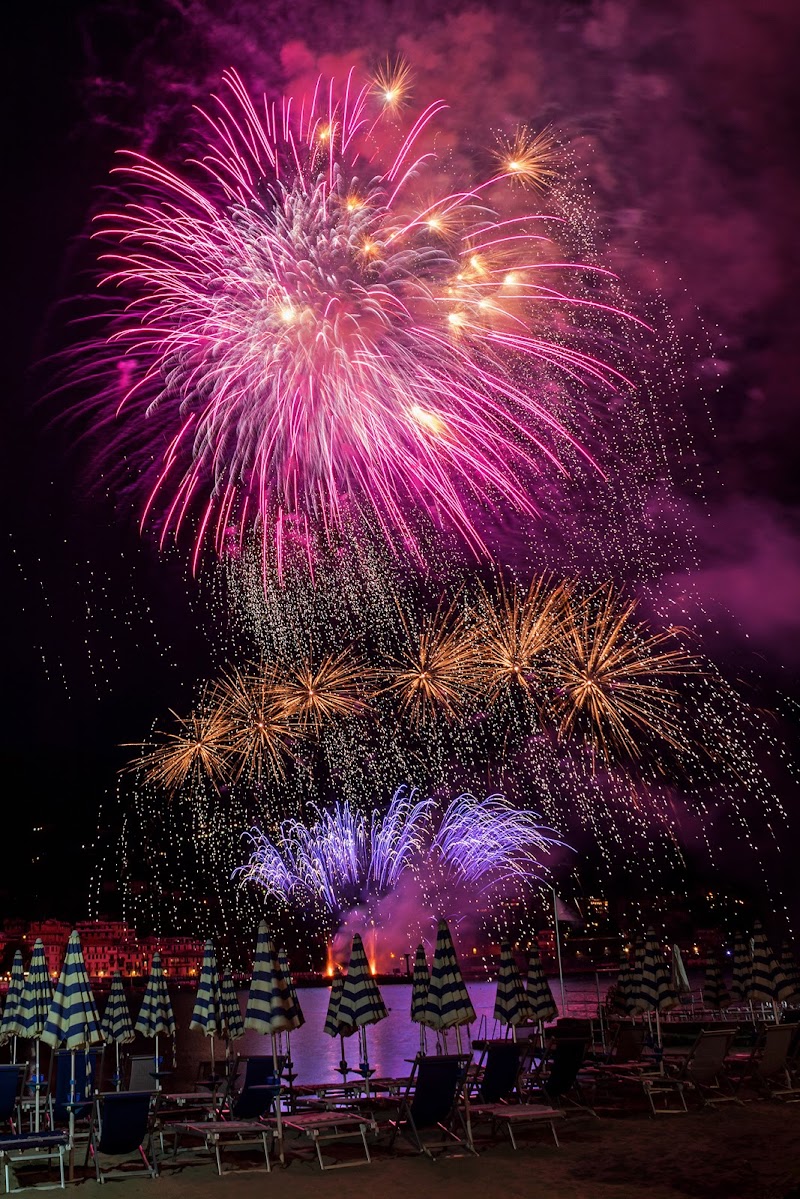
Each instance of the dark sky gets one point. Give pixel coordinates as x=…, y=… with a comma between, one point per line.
x=681, y=117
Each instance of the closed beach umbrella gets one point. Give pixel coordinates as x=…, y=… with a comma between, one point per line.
x=448, y=1004
x=34, y=1005
x=790, y=968
x=270, y=1007
x=742, y=981
x=635, y=977
x=283, y=962
x=715, y=994
x=232, y=1022
x=207, y=1012
x=156, y=1015
x=768, y=982
x=13, y=997
x=511, y=1005
x=540, y=997
x=72, y=1020
x=360, y=1003
x=654, y=991
x=332, y=1027
x=420, y=982
x=117, y=1026
x=679, y=979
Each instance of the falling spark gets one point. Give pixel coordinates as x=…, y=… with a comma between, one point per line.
x=312, y=695
x=529, y=157
x=439, y=673
x=200, y=749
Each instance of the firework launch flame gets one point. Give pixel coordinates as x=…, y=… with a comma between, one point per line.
x=345, y=859
x=319, y=332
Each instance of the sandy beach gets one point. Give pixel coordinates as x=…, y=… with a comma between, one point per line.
x=739, y=1152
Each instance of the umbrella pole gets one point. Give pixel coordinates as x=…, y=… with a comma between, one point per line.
x=458, y=1038
x=118, y=1076
x=37, y=1089
x=364, y=1063
x=72, y=1116
x=278, y=1115
x=344, y=1069
x=422, y=1039
x=157, y=1063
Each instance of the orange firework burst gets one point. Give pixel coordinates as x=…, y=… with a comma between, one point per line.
x=516, y=633
x=529, y=157
x=200, y=749
x=309, y=695
x=609, y=670
x=259, y=730
x=438, y=674
x=392, y=84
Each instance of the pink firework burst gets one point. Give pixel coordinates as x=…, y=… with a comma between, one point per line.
x=315, y=337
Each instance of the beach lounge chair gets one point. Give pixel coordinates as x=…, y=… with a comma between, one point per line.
x=23, y=1147
x=767, y=1067
x=141, y=1072
x=703, y=1070
x=498, y=1071
x=557, y=1081
x=325, y=1127
x=496, y=1088
x=11, y=1081
x=63, y=1095
x=433, y=1102
x=240, y=1122
x=122, y=1126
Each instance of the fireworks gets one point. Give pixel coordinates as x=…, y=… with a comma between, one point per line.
x=439, y=674
x=609, y=671
x=259, y=732
x=200, y=749
x=529, y=157
x=345, y=859
x=311, y=695
x=517, y=633
x=315, y=337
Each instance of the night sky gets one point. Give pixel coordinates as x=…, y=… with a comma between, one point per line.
x=681, y=118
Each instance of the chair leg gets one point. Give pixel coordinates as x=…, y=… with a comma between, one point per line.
x=61, y=1164
x=511, y=1134
x=266, y=1150
x=555, y=1134
x=366, y=1146
x=319, y=1150
x=218, y=1157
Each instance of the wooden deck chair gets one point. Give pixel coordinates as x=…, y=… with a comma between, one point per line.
x=21, y=1147
x=323, y=1128
x=122, y=1126
x=242, y=1121
x=433, y=1101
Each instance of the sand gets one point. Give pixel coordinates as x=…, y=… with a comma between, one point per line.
x=735, y=1152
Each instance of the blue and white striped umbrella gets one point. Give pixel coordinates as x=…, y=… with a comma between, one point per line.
x=448, y=1004
x=233, y=1024
x=768, y=982
x=654, y=992
x=539, y=995
x=742, y=981
x=207, y=1014
x=511, y=1005
x=37, y=995
x=270, y=1005
x=361, y=1003
x=156, y=1015
x=13, y=997
x=332, y=1027
x=790, y=968
x=72, y=1020
x=283, y=962
x=117, y=1026
x=420, y=983
x=715, y=994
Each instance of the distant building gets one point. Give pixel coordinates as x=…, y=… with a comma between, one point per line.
x=109, y=945
x=181, y=957
x=54, y=935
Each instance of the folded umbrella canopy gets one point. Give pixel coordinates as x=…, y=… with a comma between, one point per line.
x=207, y=1010
x=679, y=979
x=332, y=1027
x=654, y=991
x=33, y=1009
x=742, y=981
x=715, y=993
x=538, y=993
x=270, y=1007
x=511, y=1005
x=117, y=1026
x=283, y=962
x=72, y=1020
x=13, y=997
x=420, y=982
x=156, y=1015
x=790, y=968
x=232, y=1022
x=768, y=983
x=360, y=1003
x=448, y=1004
